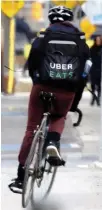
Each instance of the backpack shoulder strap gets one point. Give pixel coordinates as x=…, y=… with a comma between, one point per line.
x=41, y=35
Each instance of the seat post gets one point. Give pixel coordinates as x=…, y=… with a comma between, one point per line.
x=47, y=99
x=47, y=105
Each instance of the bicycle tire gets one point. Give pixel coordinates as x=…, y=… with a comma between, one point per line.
x=44, y=131
x=33, y=201
x=29, y=160
x=51, y=183
x=31, y=155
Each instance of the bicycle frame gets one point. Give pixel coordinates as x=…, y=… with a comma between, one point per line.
x=42, y=130
x=37, y=152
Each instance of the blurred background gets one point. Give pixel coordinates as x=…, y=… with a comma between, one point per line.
x=81, y=147
x=29, y=18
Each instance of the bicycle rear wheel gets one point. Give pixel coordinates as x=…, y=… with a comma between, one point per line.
x=42, y=186
x=30, y=170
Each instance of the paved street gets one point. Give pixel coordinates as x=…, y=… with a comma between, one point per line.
x=78, y=185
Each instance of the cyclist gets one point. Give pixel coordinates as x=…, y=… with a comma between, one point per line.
x=60, y=18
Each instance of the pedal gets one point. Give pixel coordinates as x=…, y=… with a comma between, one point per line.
x=54, y=161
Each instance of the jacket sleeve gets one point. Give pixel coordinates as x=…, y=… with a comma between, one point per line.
x=35, y=57
x=86, y=51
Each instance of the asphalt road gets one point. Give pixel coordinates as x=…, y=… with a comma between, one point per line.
x=78, y=185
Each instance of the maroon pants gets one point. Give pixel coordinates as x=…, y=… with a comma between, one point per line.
x=63, y=104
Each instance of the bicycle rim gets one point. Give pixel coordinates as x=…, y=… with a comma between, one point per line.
x=30, y=171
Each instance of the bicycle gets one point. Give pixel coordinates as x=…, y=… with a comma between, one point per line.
x=38, y=164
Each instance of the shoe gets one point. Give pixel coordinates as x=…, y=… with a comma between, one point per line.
x=49, y=143
x=98, y=102
x=53, y=150
x=17, y=184
x=54, y=157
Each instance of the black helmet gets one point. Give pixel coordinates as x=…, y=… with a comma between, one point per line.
x=60, y=14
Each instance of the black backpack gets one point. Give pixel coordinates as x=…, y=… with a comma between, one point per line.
x=61, y=60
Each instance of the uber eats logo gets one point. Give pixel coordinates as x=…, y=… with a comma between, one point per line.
x=64, y=73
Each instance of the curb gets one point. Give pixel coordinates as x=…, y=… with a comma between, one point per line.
x=98, y=165
x=90, y=145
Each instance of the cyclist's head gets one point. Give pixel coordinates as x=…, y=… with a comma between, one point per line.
x=60, y=14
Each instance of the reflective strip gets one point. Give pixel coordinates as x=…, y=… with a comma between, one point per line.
x=82, y=37
x=41, y=36
x=62, y=42
x=32, y=40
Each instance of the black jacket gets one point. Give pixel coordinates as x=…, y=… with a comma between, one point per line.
x=96, y=53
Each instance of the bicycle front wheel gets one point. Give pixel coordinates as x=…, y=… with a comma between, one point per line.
x=30, y=170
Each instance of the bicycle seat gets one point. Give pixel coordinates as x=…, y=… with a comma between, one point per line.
x=47, y=96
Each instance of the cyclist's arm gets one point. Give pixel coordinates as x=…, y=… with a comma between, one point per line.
x=85, y=48
x=35, y=56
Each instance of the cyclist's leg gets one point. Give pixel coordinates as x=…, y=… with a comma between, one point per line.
x=93, y=90
x=35, y=112
x=63, y=104
x=98, y=92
